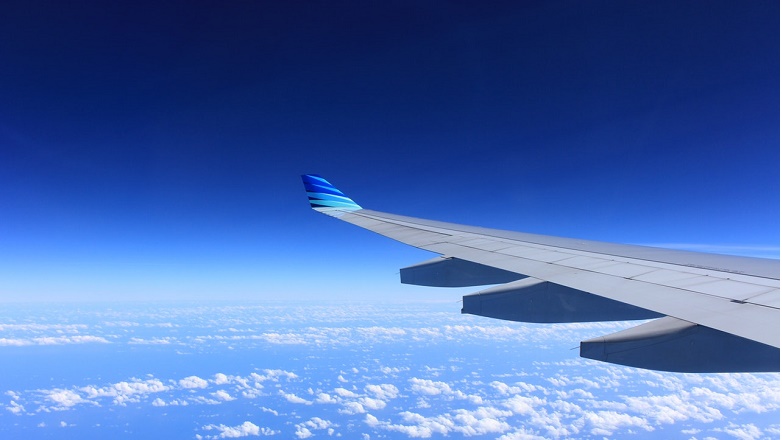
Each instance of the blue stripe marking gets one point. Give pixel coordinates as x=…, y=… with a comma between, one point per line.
x=324, y=189
x=316, y=195
x=324, y=195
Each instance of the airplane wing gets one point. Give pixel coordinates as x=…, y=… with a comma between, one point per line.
x=709, y=313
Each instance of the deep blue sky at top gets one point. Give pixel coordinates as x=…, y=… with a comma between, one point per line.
x=154, y=148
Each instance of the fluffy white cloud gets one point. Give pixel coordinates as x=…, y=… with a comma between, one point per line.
x=53, y=340
x=244, y=430
x=304, y=430
x=15, y=342
x=152, y=341
x=284, y=339
x=430, y=387
x=385, y=391
x=15, y=408
x=292, y=398
x=223, y=395
x=342, y=392
x=192, y=382
x=64, y=399
x=35, y=327
x=417, y=426
x=221, y=379
x=318, y=423
x=126, y=391
x=393, y=370
x=522, y=433
x=273, y=375
x=484, y=420
x=352, y=408
x=516, y=388
x=370, y=403
x=325, y=398
x=481, y=421
x=607, y=422
x=524, y=405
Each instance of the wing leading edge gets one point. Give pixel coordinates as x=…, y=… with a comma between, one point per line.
x=712, y=313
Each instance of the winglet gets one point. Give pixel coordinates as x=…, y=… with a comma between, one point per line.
x=324, y=197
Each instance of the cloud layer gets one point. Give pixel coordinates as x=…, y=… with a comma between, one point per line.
x=410, y=371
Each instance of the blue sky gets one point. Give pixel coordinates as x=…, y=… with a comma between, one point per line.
x=154, y=150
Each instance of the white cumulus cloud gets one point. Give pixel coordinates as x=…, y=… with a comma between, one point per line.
x=193, y=382
x=223, y=395
x=293, y=398
x=246, y=429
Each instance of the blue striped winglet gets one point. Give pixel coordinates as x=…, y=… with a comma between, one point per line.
x=324, y=196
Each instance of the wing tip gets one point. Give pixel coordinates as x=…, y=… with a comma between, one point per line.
x=323, y=196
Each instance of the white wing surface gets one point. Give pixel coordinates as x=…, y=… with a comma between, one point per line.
x=715, y=313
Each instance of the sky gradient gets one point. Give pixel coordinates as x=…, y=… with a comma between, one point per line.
x=153, y=150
